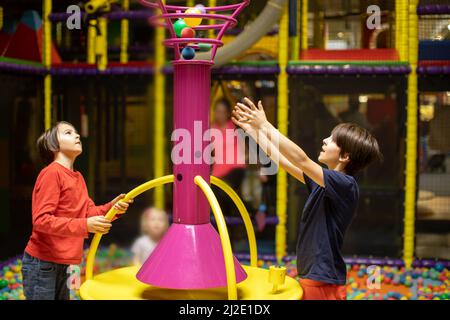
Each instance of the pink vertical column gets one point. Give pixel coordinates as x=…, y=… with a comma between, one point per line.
x=192, y=86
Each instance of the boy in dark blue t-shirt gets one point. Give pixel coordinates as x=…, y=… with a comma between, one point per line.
x=333, y=194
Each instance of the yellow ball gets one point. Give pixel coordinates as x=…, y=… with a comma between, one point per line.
x=193, y=22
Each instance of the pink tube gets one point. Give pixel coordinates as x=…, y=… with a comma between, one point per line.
x=192, y=84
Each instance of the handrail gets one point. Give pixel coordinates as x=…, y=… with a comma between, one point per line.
x=245, y=216
x=112, y=213
x=224, y=238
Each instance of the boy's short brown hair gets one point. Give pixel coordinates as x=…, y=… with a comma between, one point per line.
x=361, y=147
x=48, y=143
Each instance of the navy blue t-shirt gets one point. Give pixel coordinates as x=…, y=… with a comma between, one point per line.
x=327, y=214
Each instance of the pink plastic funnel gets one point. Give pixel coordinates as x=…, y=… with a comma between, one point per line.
x=188, y=257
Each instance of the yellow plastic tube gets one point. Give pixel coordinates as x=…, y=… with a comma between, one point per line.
x=245, y=217
x=224, y=238
x=159, y=141
x=1, y=17
x=296, y=45
x=304, y=17
x=283, y=111
x=411, y=138
x=124, y=33
x=47, y=61
x=102, y=43
x=211, y=33
x=91, y=36
x=112, y=213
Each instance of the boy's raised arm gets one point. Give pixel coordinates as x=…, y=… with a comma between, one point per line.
x=272, y=151
x=256, y=119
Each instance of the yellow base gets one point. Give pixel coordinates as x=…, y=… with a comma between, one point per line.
x=121, y=284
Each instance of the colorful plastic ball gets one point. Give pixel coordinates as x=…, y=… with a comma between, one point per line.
x=188, y=53
x=3, y=283
x=204, y=47
x=439, y=267
x=9, y=274
x=193, y=22
x=188, y=33
x=201, y=8
x=178, y=26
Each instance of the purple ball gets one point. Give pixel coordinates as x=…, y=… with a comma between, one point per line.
x=201, y=8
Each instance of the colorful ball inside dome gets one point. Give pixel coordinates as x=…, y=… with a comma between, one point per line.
x=178, y=26
x=188, y=53
x=193, y=22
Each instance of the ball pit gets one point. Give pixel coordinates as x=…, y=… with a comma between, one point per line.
x=395, y=282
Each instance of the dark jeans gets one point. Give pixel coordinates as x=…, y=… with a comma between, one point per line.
x=43, y=280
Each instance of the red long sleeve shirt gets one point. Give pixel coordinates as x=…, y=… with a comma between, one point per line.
x=60, y=208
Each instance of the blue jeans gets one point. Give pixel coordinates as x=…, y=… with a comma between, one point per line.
x=43, y=280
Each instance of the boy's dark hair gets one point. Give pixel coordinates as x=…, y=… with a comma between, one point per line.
x=48, y=143
x=360, y=145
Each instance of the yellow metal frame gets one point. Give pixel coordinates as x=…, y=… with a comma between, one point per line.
x=411, y=137
x=220, y=221
x=283, y=111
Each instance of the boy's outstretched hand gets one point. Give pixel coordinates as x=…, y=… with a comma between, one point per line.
x=121, y=206
x=249, y=114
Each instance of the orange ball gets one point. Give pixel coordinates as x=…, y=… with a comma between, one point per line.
x=188, y=33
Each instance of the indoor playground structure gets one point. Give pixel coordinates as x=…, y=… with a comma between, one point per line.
x=312, y=62
x=192, y=261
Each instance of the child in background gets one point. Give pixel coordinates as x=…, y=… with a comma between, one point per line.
x=154, y=224
x=333, y=194
x=63, y=216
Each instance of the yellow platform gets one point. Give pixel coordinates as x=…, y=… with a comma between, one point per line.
x=121, y=284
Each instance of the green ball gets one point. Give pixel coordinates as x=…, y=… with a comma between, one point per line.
x=3, y=284
x=178, y=26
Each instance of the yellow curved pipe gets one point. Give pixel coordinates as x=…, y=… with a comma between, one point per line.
x=112, y=213
x=224, y=238
x=245, y=216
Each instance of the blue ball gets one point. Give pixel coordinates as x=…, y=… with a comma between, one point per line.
x=439, y=267
x=188, y=53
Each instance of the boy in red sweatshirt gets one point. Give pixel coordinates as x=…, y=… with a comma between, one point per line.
x=63, y=216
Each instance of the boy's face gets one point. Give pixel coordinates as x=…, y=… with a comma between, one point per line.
x=69, y=140
x=331, y=154
x=156, y=224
